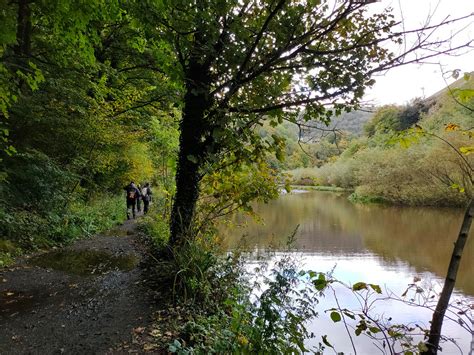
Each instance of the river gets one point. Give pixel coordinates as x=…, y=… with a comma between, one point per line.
x=385, y=245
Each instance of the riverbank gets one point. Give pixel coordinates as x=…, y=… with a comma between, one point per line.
x=320, y=188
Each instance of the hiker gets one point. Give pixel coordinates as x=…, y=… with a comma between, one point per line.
x=139, y=200
x=146, y=196
x=132, y=196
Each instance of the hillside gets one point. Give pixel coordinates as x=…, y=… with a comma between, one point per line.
x=390, y=163
x=350, y=122
x=460, y=83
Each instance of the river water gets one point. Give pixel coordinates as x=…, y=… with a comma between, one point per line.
x=385, y=245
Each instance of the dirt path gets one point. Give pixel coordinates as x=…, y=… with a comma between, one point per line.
x=88, y=298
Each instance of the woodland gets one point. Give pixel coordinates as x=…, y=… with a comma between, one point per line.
x=218, y=104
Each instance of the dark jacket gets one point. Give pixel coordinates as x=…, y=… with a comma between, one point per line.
x=132, y=192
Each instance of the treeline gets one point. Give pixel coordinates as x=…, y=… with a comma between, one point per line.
x=313, y=143
x=84, y=109
x=410, y=154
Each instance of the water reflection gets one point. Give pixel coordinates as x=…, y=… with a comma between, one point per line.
x=85, y=262
x=332, y=226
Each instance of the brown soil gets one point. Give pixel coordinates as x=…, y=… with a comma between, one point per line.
x=92, y=297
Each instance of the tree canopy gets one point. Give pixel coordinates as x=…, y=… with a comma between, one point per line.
x=85, y=86
x=242, y=62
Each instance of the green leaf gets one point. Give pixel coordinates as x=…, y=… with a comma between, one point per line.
x=348, y=314
x=359, y=286
x=320, y=283
x=376, y=288
x=465, y=94
x=374, y=330
x=422, y=346
x=335, y=316
x=218, y=133
x=326, y=342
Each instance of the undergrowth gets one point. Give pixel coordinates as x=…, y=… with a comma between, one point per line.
x=23, y=230
x=220, y=304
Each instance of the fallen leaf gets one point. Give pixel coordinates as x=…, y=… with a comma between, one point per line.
x=148, y=347
x=155, y=333
x=139, y=330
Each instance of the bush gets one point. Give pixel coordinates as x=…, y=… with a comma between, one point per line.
x=156, y=228
x=341, y=173
x=218, y=309
x=86, y=218
x=30, y=230
x=303, y=176
x=272, y=322
x=428, y=173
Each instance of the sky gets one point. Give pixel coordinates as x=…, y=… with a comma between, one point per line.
x=401, y=85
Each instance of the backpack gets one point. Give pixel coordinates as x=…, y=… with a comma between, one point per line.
x=145, y=193
x=131, y=194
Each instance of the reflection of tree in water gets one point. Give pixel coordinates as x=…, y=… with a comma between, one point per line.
x=330, y=224
x=421, y=236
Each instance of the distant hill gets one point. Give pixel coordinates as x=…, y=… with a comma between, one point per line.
x=352, y=122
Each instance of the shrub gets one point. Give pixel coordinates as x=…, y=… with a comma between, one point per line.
x=156, y=228
x=31, y=230
x=303, y=176
x=241, y=321
x=341, y=173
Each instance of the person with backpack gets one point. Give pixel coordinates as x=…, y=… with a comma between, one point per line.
x=133, y=194
x=146, y=196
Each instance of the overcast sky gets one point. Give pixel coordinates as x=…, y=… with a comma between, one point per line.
x=400, y=85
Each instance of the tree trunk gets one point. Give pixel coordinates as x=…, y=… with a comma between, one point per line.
x=191, y=151
x=443, y=302
x=23, y=30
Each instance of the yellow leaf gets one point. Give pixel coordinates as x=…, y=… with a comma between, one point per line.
x=467, y=150
x=149, y=347
x=242, y=340
x=451, y=127
x=155, y=333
